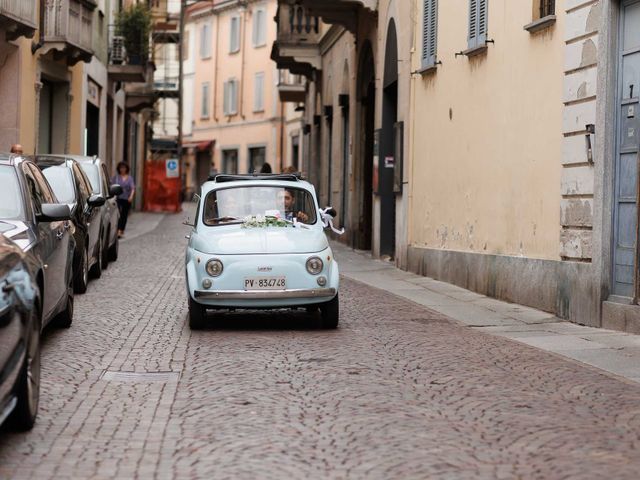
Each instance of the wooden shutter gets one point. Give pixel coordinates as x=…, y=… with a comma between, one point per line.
x=225, y=99
x=429, y=33
x=258, y=96
x=477, y=23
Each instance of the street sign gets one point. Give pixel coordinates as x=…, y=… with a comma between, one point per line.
x=172, y=168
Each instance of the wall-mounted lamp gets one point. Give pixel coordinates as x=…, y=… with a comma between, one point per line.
x=591, y=130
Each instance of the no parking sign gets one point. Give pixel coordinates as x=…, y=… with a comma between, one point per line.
x=172, y=168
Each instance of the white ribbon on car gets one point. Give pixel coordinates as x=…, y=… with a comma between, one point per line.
x=327, y=219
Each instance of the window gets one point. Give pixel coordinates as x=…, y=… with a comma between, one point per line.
x=234, y=37
x=543, y=8
x=204, y=107
x=230, y=161
x=477, y=23
x=257, y=158
x=259, y=27
x=230, y=106
x=429, y=33
x=258, y=93
x=205, y=41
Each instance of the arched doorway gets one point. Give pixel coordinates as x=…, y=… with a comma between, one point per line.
x=363, y=168
x=387, y=160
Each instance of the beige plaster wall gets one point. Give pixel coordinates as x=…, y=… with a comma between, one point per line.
x=487, y=137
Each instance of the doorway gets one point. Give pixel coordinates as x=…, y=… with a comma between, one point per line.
x=92, y=130
x=363, y=165
x=625, y=235
x=388, y=162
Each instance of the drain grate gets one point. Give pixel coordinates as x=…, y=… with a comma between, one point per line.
x=140, y=377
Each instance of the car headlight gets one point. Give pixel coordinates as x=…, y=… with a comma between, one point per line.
x=314, y=265
x=214, y=267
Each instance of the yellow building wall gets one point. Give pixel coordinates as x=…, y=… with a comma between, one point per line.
x=487, y=135
x=77, y=110
x=28, y=119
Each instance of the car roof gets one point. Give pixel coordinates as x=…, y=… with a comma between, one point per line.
x=84, y=158
x=272, y=180
x=50, y=160
x=9, y=158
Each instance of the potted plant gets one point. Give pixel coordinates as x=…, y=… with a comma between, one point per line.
x=134, y=25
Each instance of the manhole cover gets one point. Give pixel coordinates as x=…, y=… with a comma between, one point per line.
x=140, y=377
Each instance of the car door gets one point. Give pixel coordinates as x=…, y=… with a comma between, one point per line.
x=112, y=204
x=52, y=245
x=10, y=326
x=91, y=214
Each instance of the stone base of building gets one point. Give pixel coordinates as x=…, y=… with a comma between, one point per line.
x=618, y=316
x=565, y=289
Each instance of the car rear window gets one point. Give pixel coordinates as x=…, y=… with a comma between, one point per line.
x=61, y=181
x=94, y=176
x=10, y=196
x=235, y=204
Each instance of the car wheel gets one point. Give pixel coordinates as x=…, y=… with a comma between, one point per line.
x=65, y=318
x=96, y=269
x=24, y=415
x=105, y=252
x=197, y=315
x=81, y=278
x=113, y=250
x=330, y=313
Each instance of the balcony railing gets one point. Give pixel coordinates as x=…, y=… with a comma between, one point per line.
x=296, y=25
x=297, y=44
x=68, y=26
x=19, y=17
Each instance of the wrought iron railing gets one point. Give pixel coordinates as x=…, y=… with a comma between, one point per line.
x=547, y=7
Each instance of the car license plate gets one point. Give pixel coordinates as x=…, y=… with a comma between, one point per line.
x=265, y=283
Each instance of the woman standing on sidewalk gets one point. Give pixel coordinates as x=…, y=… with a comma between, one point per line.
x=124, y=200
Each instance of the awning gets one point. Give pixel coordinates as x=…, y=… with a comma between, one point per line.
x=204, y=146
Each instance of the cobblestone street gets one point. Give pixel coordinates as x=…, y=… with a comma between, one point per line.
x=398, y=391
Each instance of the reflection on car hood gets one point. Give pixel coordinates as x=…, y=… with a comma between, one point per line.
x=235, y=240
x=17, y=231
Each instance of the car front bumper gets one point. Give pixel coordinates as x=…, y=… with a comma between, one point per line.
x=265, y=294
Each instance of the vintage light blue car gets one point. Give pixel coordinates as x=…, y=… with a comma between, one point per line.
x=258, y=242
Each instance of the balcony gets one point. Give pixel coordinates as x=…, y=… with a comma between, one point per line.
x=291, y=88
x=297, y=44
x=142, y=95
x=341, y=12
x=18, y=18
x=121, y=67
x=68, y=29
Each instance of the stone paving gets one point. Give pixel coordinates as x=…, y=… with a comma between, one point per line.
x=398, y=391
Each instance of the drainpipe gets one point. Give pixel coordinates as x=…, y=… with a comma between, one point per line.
x=37, y=46
x=242, y=41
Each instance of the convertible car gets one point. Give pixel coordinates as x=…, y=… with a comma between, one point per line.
x=258, y=242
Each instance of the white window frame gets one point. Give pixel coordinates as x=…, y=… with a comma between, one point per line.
x=230, y=101
x=205, y=41
x=205, y=99
x=259, y=35
x=234, y=34
x=258, y=92
x=429, y=34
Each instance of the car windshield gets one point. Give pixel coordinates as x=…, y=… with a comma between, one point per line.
x=94, y=176
x=61, y=181
x=233, y=205
x=10, y=204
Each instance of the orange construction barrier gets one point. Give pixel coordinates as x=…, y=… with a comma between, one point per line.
x=162, y=185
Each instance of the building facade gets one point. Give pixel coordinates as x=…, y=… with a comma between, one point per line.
x=235, y=120
x=495, y=149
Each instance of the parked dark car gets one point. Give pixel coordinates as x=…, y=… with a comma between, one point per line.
x=31, y=217
x=73, y=188
x=19, y=338
x=98, y=175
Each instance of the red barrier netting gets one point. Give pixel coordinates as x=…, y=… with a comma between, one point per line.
x=161, y=194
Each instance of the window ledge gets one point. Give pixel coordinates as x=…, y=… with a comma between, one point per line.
x=540, y=24
x=472, y=52
x=427, y=70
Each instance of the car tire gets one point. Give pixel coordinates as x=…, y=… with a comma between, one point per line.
x=81, y=276
x=96, y=269
x=197, y=315
x=25, y=412
x=330, y=313
x=312, y=308
x=65, y=318
x=113, y=250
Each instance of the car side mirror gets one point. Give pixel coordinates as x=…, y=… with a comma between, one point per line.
x=115, y=190
x=96, y=201
x=54, y=212
x=331, y=211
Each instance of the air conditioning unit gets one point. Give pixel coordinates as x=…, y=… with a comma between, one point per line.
x=118, y=52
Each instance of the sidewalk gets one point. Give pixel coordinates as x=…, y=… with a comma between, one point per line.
x=614, y=352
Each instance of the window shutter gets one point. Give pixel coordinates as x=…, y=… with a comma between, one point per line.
x=233, y=101
x=258, y=94
x=235, y=35
x=204, y=107
x=482, y=22
x=429, y=33
x=259, y=27
x=225, y=99
x=473, y=24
